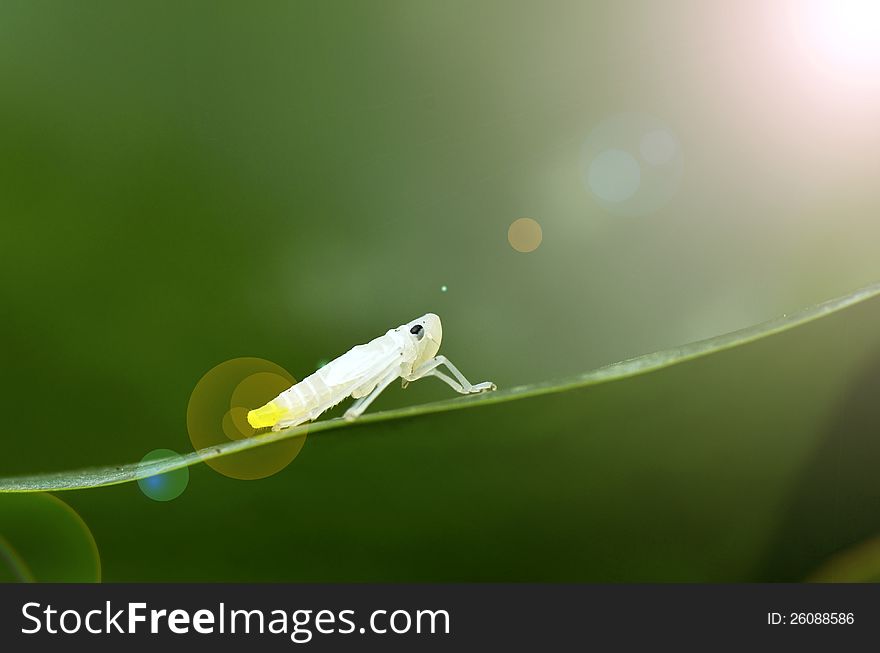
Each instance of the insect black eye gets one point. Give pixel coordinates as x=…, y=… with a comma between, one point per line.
x=417, y=330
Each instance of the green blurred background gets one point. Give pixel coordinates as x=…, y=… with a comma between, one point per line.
x=183, y=183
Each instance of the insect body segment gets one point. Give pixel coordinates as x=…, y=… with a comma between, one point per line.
x=408, y=352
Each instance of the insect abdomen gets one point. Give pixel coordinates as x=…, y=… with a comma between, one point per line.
x=309, y=395
x=299, y=403
x=353, y=371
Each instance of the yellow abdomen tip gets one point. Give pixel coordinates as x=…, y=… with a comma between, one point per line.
x=268, y=415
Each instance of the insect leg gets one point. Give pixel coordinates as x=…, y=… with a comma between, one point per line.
x=358, y=407
x=455, y=385
x=461, y=385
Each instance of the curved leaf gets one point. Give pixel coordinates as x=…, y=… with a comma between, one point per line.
x=112, y=475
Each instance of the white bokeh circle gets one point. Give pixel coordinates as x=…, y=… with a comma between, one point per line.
x=632, y=164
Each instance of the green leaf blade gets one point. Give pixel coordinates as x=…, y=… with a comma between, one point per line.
x=646, y=364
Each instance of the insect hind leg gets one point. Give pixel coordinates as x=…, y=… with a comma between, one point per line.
x=460, y=384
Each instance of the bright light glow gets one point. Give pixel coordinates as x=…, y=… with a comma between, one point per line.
x=845, y=34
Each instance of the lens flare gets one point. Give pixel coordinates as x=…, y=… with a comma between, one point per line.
x=632, y=164
x=217, y=413
x=844, y=34
x=42, y=539
x=167, y=486
x=525, y=235
x=614, y=175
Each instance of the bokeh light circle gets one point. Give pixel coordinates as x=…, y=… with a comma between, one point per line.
x=42, y=539
x=525, y=235
x=166, y=486
x=217, y=414
x=658, y=147
x=632, y=164
x=614, y=175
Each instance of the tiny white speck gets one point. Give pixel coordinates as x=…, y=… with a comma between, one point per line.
x=443, y=288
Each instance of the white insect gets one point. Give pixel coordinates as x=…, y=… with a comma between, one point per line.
x=408, y=352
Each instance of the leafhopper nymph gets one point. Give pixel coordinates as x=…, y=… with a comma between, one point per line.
x=408, y=352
